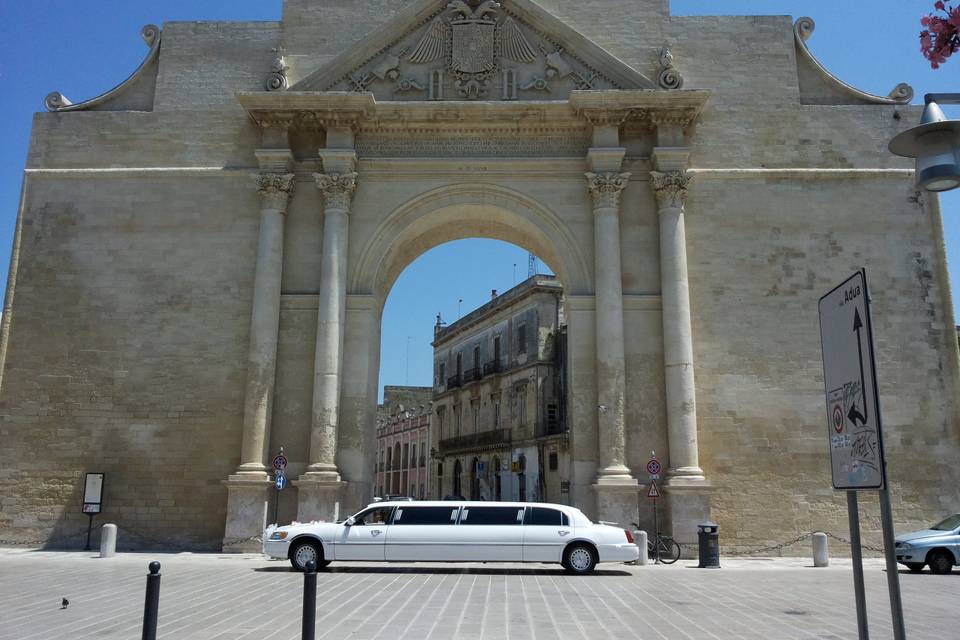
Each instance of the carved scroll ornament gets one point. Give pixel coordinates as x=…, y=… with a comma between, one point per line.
x=337, y=188
x=670, y=188
x=606, y=188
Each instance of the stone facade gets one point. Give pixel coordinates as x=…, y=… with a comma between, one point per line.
x=499, y=403
x=170, y=319
x=403, y=440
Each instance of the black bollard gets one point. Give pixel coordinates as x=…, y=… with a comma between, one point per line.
x=152, y=602
x=310, y=601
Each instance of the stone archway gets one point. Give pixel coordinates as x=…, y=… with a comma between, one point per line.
x=441, y=215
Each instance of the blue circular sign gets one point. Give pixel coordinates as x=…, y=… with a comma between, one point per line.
x=280, y=481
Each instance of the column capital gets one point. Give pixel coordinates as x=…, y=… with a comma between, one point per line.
x=606, y=188
x=275, y=190
x=337, y=188
x=670, y=187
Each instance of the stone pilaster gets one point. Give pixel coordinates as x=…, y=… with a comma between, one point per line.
x=320, y=486
x=248, y=488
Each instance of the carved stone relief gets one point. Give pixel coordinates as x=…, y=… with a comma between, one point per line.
x=473, y=50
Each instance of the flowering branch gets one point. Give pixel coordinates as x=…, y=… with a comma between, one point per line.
x=941, y=36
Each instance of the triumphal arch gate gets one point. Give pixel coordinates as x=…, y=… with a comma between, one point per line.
x=203, y=254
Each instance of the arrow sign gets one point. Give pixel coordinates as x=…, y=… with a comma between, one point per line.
x=849, y=375
x=280, y=481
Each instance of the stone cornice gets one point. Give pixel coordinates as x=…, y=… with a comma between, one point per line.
x=606, y=188
x=322, y=110
x=670, y=188
x=275, y=190
x=337, y=189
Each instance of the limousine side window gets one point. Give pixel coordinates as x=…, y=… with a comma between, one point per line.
x=377, y=515
x=425, y=515
x=546, y=517
x=491, y=515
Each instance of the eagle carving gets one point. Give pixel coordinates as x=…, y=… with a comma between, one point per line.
x=473, y=40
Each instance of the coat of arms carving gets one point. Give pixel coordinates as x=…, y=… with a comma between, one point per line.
x=473, y=39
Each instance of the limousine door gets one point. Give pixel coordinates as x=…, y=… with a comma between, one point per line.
x=420, y=533
x=493, y=533
x=545, y=533
x=365, y=538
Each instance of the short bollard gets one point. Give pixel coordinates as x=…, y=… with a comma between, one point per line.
x=152, y=602
x=310, y=601
x=709, y=545
x=108, y=540
x=821, y=552
x=640, y=537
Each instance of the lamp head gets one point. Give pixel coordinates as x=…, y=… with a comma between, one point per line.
x=935, y=143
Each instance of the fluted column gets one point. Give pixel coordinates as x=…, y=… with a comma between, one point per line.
x=337, y=190
x=605, y=189
x=274, y=190
x=670, y=188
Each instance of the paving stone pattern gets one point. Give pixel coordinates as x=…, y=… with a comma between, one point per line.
x=224, y=597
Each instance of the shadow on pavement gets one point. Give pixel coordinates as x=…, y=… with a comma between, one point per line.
x=477, y=571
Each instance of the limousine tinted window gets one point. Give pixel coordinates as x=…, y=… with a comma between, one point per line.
x=425, y=515
x=546, y=517
x=491, y=515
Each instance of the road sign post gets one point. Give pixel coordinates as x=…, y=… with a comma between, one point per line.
x=279, y=481
x=653, y=469
x=855, y=436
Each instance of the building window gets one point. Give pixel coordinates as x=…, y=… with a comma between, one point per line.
x=413, y=455
x=439, y=468
x=476, y=357
x=458, y=414
x=496, y=350
x=522, y=338
x=443, y=374
x=496, y=413
x=553, y=461
x=459, y=365
x=406, y=455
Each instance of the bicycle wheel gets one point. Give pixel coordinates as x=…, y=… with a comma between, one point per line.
x=670, y=551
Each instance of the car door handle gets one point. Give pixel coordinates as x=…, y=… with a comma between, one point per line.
x=376, y=532
x=563, y=533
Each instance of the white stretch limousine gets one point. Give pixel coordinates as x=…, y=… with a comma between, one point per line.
x=455, y=532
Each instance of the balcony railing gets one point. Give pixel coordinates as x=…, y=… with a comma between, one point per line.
x=453, y=382
x=492, y=367
x=482, y=439
x=471, y=375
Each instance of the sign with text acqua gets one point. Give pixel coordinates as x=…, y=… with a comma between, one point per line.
x=849, y=375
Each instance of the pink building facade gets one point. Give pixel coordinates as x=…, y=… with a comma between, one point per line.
x=402, y=453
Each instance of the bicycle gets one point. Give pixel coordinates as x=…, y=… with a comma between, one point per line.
x=663, y=548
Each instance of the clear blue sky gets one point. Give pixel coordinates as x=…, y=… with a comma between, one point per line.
x=84, y=48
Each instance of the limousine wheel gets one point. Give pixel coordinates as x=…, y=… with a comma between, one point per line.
x=579, y=558
x=303, y=552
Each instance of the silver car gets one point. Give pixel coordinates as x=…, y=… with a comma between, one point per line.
x=938, y=546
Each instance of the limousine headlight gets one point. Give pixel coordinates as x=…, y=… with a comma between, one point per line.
x=279, y=535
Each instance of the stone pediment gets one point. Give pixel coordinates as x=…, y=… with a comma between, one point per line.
x=474, y=50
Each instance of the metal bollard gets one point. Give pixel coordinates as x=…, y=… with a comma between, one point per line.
x=310, y=602
x=821, y=552
x=151, y=602
x=108, y=540
x=640, y=538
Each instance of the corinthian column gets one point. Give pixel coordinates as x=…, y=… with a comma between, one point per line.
x=247, y=488
x=605, y=188
x=670, y=188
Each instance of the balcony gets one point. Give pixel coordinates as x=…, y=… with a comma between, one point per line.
x=453, y=382
x=472, y=375
x=474, y=440
x=492, y=367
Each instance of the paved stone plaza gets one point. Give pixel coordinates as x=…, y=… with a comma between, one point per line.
x=237, y=597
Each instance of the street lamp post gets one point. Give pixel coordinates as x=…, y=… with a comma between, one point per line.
x=935, y=143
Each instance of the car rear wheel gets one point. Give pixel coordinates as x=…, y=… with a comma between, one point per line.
x=940, y=562
x=915, y=567
x=306, y=551
x=579, y=558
